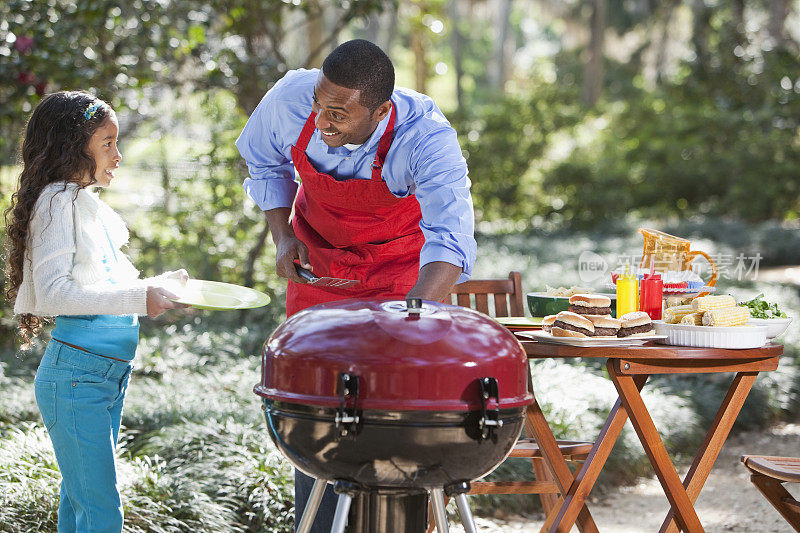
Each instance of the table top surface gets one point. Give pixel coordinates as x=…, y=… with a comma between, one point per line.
x=649, y=351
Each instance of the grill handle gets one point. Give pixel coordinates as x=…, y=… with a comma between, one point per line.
x=490, y=416
x=347, y=418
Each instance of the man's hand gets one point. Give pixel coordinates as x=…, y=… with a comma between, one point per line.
x=435, y=281
x=288, y=247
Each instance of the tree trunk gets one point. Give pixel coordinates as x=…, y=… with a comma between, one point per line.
x=497, y=70
x=593, y=72
x=457, y=42
x=316, y=29
x=420, y=59
x=661, y=55
x=778, y=12
x=702, y=21
x=253, y=255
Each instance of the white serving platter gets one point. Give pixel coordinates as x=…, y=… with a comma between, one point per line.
x=738, y=337
x=582, y=342
x=775, y=326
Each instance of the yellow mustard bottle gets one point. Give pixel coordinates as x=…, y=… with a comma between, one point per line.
x=627, y=293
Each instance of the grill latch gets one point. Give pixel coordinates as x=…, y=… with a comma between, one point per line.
x=346, y=416
x=490, y=416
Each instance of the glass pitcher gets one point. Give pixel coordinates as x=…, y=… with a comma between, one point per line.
x=670, y=253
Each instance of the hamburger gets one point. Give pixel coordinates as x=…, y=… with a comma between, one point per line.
x=547, y=322
x=567, y=324
x=604, y=325
x=636, y=324
x=590, y=304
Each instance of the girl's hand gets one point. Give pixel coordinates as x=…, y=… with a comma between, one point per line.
x=158, y=301
x=180, y=275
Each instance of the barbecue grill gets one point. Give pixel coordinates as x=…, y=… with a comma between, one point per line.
x=391, y=401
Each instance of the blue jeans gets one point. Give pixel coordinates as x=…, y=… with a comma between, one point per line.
x=80, y=397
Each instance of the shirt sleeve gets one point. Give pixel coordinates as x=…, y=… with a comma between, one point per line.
x=57, y=293
x=271, y=183
x=442, y=187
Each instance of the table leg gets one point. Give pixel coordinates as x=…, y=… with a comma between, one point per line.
x=715, y=438
x=655, y=450
x=575, y=498
x=539, y=429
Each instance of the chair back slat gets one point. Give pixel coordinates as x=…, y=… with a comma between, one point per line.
x=500, y=305
x=506, y=295
x=463, y=300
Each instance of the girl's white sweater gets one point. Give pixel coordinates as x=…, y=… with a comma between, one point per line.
x=70, y=232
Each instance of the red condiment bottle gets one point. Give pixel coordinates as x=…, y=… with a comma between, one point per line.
x=652, y=295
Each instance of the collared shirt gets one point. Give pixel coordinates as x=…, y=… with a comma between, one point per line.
x=424, y=160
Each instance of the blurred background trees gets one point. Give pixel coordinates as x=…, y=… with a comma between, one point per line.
x=569, y=113
x=579, y=119
x=663, y=107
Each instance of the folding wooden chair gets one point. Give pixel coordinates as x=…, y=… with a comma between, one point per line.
x=768, y=475
x=507, y=300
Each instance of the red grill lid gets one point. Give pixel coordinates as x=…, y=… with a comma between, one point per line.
x=404, y=361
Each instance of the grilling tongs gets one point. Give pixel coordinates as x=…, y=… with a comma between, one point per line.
x=338, y=283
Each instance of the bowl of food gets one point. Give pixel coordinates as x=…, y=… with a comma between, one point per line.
x=542, y=304
x=555, y=300
x=763, y=313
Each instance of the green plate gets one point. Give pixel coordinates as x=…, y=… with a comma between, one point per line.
x=520, y=321
x=217, y=296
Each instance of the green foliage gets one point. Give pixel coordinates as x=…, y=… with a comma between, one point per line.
x=29, y=480
x=501, y=140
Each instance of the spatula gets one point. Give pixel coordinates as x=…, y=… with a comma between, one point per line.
x=338, y=283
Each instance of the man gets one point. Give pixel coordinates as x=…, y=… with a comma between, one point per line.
x=384, y=195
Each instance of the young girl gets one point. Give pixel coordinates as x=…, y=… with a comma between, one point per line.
x=64, y=260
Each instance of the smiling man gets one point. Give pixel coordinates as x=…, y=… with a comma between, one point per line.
x=383, y=196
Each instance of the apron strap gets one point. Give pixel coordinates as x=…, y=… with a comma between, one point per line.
x=383, y=146
x=307, y=132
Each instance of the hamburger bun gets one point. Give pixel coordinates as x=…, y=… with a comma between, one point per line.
x=590, y=304
x=604, y=325
x=604, y=321
x=634, y=318
x=547, y=322
x=636, y=324
x=590, y=300
x=559, y=332
x=573, y=322
x=575, y=319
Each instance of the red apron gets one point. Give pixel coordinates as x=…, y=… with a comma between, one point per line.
x=354, y=229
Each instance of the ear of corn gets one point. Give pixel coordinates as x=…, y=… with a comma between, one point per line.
x=726, y=317
x=673, y=315
x=705, y=303
x=693, y=319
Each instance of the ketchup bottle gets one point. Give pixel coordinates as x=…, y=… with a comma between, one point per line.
x=652, y=297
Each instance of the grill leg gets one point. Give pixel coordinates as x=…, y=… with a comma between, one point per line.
x=310, y=512
x=465, y=514
x=439, y=514
x=342, y=509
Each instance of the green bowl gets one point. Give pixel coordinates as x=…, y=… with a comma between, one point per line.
x=541, y=304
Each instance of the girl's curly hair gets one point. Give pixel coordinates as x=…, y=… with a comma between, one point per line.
x=54, y=148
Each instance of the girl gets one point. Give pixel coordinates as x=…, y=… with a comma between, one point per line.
x=64, y=260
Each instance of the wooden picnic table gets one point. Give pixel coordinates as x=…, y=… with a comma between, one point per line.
x=629, y=367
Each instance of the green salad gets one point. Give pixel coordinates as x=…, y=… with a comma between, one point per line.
x=761, y=309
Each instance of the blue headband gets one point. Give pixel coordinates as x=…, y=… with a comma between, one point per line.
x=91, y=110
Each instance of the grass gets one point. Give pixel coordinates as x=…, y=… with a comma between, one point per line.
x=194, y=453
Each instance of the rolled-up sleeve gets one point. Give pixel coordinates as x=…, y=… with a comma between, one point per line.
x=271, y=183
x=442, y=187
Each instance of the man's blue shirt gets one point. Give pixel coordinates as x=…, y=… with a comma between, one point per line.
x=424, y=160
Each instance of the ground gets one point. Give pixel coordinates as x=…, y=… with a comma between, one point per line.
x=728, y=503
